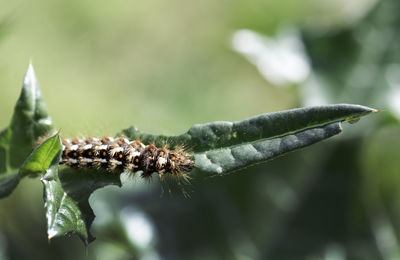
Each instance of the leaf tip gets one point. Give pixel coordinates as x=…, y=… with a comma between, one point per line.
x=51, y=234
x=30, y=76
x=377, y=110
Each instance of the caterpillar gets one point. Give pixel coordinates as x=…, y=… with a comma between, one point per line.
x=121, y=154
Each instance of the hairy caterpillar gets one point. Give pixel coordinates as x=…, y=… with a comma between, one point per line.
x=121, y=154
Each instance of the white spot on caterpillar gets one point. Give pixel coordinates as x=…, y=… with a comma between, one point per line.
x=101, y=147
x=161, y=161
x=74, y=147
x=88, y=146
x=98, y=160
x=116, y=162
x=117, y=149
x=133, y=154
x=73, y=161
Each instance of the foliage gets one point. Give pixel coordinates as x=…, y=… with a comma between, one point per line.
x=335, y=200
x=218, y=147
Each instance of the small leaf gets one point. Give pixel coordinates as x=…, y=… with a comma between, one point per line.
x=29, y=122
x=221, y=147
x=40, y=159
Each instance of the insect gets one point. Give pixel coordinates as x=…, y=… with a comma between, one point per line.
x=121, y=154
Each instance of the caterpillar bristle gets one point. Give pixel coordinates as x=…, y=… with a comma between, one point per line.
x=122, y=155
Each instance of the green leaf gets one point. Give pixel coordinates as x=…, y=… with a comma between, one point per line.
x=222, y=147
x=29, y=122
x=40, y=159
x=66, y=196
x=225, y=160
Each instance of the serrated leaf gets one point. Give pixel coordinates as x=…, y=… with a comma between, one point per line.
x=29, y=122
x=66, y=195
x=221, y=147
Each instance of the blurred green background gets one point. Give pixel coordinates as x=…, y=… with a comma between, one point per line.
x=163, y=66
